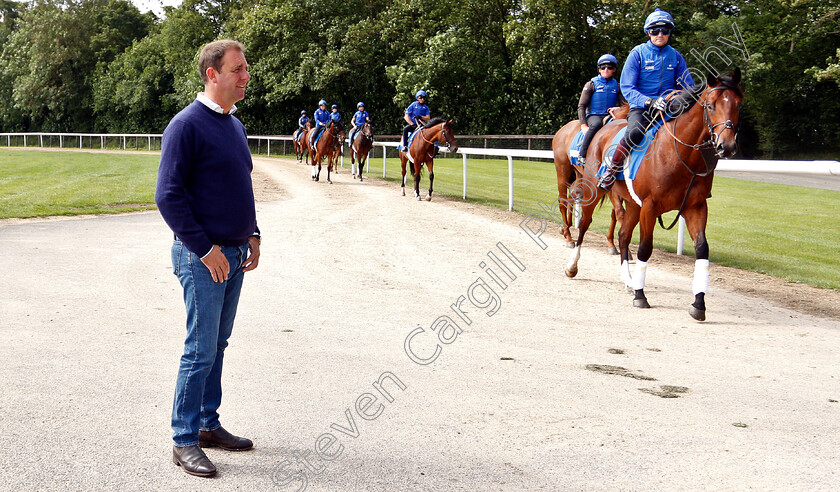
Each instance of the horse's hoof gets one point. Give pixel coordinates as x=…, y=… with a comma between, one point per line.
x=571, y=272
x=429, y=198
x=419, y=198
x=698, y=314
x=329, y=181
x=613, y=251
x=403, y=192
x=641, y=303
x=570, y=244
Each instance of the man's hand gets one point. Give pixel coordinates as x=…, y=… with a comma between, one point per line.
x=253, y=259
x=659, y=104
x=218, y=265
x=584, y=128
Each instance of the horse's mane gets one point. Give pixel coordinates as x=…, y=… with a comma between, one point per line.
x=726, y=81
x=434, y=121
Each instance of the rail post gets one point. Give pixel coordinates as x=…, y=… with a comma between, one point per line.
x=510, y=182
x=681, y=236
x=465, y=176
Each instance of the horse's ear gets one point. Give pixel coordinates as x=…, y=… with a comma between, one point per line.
x=736, y=76
x=711, y=80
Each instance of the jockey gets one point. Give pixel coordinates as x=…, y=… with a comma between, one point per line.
x=302, y=121
x=359, y=118
x=416, y=113
x=651, y=72
x=322, y=117
x=335, y=115
x=600, y=97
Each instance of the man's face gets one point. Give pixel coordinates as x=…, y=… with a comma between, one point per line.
x=231, y=80
x=659, y=36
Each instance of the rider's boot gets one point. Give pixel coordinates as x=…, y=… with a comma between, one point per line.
x=608, y=179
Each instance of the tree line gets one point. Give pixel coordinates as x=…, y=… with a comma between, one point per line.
x=495, y=66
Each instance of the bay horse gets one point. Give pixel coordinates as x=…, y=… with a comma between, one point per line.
x=360, y=147
x=567, y=184
x=338, y=147
x=422, y=150
x=675, y=174
x=324, y=148
x=301, y=143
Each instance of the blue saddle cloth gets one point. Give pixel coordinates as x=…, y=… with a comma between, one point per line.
x=637, y=155
x=574, y=147
x=411, y=139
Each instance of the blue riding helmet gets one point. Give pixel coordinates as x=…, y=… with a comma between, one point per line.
x=608, y=58
x=322, y=103
x=659, y=18
x=360, y=105
x=421, y=92
x=302, y=113
x=335, y=106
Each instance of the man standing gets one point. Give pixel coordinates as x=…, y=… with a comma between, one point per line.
x=205, y=195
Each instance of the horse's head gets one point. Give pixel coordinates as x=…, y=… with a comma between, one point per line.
x=367, y=130
x=448, y=134
x=722, y=108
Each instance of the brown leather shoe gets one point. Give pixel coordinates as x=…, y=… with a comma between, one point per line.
x=193, y=460
x=223, y=439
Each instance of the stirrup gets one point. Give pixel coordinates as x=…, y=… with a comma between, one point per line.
x=606, y=181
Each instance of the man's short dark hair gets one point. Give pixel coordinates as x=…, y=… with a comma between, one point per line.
x=212, y=53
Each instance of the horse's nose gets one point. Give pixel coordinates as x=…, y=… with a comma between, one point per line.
x=725, y=149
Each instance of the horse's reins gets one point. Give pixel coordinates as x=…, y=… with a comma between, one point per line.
x=713, y=137
x=432, y=142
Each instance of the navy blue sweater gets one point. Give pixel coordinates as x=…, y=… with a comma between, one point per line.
x=204, y=190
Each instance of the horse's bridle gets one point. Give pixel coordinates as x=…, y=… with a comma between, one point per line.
x=710, y=143
x=707, y=120
x=442, y=132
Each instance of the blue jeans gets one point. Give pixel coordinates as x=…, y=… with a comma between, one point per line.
x=211, y=308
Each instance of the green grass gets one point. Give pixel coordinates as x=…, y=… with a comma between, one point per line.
x=786, y=231
x=37, y=184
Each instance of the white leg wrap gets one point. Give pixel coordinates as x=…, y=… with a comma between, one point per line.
x=574, y=259
x=625, y=273
x=639, y=275
x=701, y=277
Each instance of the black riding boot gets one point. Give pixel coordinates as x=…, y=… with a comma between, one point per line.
x=608, y=179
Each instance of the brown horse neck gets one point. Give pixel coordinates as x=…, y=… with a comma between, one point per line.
x=690, y=127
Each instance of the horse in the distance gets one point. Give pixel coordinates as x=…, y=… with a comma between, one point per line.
x=324, y=148
x=675, y=174
x=337, y=148
x=360, y=148
x=423, y=150
x=301, y=143
x=566, y=186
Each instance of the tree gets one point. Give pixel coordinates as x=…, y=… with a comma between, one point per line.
x=51, y=57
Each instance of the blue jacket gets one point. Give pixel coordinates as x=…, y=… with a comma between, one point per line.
x=416, y=109
x=604, y=96
x=302, y=121
x=360, y=117
x=321, y=117
x=335, y=116
x=650, y=72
